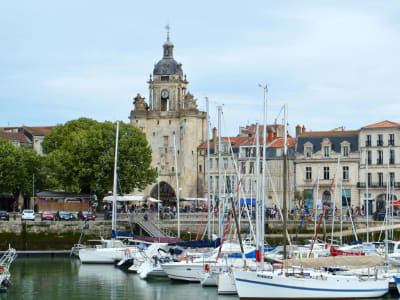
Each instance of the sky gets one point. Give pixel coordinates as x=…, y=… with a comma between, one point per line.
x=334, y=63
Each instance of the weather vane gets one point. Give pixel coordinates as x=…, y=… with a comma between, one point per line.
x=167, y=28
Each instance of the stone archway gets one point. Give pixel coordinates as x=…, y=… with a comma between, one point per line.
x=167, y=193
x=381, y=201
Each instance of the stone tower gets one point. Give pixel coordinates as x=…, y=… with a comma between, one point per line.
x=171, y=113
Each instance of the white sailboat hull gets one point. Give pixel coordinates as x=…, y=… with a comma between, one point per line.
x=268, y=285
x=192, y=272
x=226, y=284
x=101, y=255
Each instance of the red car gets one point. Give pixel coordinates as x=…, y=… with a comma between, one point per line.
x=83, y=215
x=48, y=215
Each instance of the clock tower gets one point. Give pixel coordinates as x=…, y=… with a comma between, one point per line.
x=173, y=124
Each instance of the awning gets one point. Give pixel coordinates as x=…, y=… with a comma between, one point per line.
x=126, y=198
x=195, y=199
x=153, y=200
x=396, y=203
x=249, y=201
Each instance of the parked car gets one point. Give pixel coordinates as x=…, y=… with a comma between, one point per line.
x=28, y=214
x=64, y=216
x=84, y=214
x=4, y=215
x=75, y=215
x=48, y=215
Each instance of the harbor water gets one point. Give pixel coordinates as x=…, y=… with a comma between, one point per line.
x=66, y=278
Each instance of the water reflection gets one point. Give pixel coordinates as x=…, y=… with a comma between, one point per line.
x=64, y=278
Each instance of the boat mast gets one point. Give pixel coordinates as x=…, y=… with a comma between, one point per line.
x=367, y=196
x=208, y=174
x=177, y=190
x=316, y=203
x=334, y=200
x=158, y=204
x=220, y=229
x=258, y=196
x=284, y=186
x=263, y=177
x=114, y=208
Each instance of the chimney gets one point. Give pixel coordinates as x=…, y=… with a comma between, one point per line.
x=303, y=129
x=214, y=134
x=269, y=138
x=298, y=130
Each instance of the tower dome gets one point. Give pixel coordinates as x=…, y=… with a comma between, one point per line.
x=168, y=65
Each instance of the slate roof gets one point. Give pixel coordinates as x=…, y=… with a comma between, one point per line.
x=14, y=137
x=335, y=137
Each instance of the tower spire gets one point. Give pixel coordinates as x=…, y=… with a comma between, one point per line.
x=167, y=28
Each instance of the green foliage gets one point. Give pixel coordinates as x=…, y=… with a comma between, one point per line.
x=18, y=165
x=76, y=151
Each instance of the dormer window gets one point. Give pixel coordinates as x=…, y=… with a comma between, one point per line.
x=345, y=150
x=308, y=151
x=326, y=151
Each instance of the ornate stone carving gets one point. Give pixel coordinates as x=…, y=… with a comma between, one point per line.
x=189, y=102
x=140, y=104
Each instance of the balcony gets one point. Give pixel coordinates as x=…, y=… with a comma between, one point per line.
x=379, y=161
x=361, y=185
x=391, y=142
x=367, y=143
x=379, y=143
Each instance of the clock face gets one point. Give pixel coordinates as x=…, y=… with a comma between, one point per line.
x=164, y=93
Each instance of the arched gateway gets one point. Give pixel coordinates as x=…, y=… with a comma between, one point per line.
x=167, y=193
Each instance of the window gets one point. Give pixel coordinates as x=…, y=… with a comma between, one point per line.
x=380, y=179
x=137, y=121
x=165, y=78
x=391, y=161
x=225, y=163
x=326, y=151
x=379, y=142
x=251, y=168
x=391, y=139
x=154, y=134
x=169, y=122
x=345, y=173
x=308, y=198
x=210, y=163
x=345, y=150
x=226, y=148
x=243, y=167
x=326, y=173
x=369, y=157
x=200, y=168
x=379, y=161
x=346, y=198
x=158, y=122
x=166, y=141
x=391, y=178
x=166, y=149
x=308, y=151
x=369, y=179
x=173, y=169
x=368, y=141
x=308, y=174
x=261, y=167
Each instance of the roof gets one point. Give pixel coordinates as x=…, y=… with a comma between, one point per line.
x=14, y=137
x=335, y=137
x=235, y=141
x=280, y=143
x=383, y=124
x=60, y=194
x=330, y=133
x=39, y=130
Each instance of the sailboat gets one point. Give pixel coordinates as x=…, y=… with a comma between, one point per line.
x=112, y=250
x=300, y=283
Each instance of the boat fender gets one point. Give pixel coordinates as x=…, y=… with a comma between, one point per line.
x=207, y=268
x=180, y=257
x=191, y=259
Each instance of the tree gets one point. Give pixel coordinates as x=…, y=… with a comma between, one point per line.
x=77, y=150
x=18, y=165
